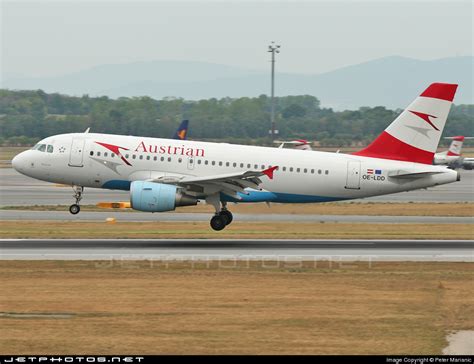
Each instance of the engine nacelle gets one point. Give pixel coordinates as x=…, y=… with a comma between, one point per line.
x=157, y=197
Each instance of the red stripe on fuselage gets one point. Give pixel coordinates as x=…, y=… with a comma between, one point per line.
x=387, y=146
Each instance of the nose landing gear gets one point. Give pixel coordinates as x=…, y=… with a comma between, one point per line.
x=78, y=191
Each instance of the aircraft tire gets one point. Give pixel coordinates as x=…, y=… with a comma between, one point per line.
x=227, y=215
x=74, y=209
x=218, y=222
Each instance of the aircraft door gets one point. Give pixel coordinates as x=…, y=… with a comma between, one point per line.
x=76, y=154
x=353, y=175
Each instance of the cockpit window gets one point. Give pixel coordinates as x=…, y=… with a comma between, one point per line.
x=43, y=148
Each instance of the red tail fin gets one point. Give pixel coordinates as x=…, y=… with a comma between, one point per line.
x=414, y=135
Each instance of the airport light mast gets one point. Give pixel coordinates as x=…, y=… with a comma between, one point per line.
x=273, y=48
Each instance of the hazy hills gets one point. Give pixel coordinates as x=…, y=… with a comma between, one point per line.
x=392, y=81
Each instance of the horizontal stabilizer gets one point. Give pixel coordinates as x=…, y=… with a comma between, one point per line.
x=400, y=173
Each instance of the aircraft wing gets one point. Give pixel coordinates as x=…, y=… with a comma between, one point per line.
x=229, y=184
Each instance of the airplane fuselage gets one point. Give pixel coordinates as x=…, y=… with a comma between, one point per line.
x=114, y=161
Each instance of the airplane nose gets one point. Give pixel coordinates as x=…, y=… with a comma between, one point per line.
x=18, y=162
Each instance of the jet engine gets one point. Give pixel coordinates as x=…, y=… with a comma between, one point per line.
x=157, y=197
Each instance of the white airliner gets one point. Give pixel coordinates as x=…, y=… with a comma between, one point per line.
x=162, y=174
x=453, y=154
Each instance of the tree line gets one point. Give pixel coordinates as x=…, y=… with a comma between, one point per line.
x=27, y=116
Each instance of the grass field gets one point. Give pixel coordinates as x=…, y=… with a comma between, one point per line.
x=140, y=307
x=350, y=208
x=238, y=230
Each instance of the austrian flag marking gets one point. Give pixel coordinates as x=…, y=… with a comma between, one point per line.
x=374, y=171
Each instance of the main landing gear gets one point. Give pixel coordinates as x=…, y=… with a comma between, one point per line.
x=78, y=191
x=223, y=217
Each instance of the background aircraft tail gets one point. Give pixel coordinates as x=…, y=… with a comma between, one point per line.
x=414, y=135
x=456, y=146
x=182, y=131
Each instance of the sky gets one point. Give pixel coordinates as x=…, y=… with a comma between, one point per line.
x=46, y=38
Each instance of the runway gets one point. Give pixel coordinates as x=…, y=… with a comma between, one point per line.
x=239, y=250
x=204, y=217
x=16, y=190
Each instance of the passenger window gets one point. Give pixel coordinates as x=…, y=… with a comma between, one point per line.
x=256, y=166
x=169, y=159
x=206, y=162
x=297, y=170
x=241, y=165
x=305, y=170
x=284, y=169
x=147, y=157
x=312, y=171
x=126, y=155
x=227, y=164
x=291, y=169
x=319, y=171
x=248, y=165
x=50, y=149
x=199, y=161
x=91, y=153
x=98, y=154
x=134, y=156
x=220, y=163
x=180, y=160
x=213, y=163
x=162, y=159
x=105, y=154
x=155, y=158
x=141, y=156
x=42, y=147
x=327, y=172
x=263, y=167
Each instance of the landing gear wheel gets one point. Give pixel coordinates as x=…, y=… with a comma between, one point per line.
x=218, y=222
x=228, y=216
x=74, y=209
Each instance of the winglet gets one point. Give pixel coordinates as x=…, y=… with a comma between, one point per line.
x=269, y=171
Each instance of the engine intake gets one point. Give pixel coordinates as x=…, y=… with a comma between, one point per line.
x=157, y=197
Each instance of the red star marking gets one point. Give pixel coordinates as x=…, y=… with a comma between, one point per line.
x=115, y=149
x=425, y=117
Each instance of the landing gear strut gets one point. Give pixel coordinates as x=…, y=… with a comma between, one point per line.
x=75, y=208
x=223, y=217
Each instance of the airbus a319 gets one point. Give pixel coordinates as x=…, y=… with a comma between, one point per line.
x=162, y=174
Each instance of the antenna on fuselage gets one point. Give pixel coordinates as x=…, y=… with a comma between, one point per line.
x=87, y=130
